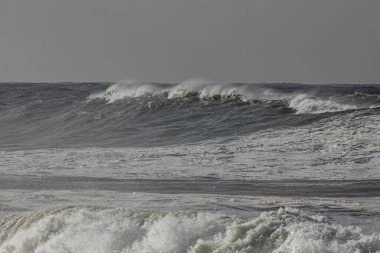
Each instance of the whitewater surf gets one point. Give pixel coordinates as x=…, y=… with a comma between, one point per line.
x=195, y=166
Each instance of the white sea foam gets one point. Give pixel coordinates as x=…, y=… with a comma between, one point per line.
x=92, y=230
x=307, y=104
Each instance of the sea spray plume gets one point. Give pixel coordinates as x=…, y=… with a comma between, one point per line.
x=127, y=88
x=189, y=86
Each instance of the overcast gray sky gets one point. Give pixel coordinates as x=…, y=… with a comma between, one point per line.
x=312, y=41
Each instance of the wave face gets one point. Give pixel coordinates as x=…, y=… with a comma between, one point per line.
x=85, y=230
x=152, y=114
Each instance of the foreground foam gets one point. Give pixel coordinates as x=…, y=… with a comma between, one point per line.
x=118, y=230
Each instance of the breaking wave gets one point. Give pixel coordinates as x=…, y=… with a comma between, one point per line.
x=130, y=113
x=302, y=103
x=88, y=230
x=306, y=104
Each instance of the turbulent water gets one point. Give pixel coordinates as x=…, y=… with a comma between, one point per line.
x=189, y=167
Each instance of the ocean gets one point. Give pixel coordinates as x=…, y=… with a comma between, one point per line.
x=189, y=167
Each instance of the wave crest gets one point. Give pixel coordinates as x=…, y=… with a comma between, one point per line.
x=306, y=104
x=126, y=89
x=199, y=87
x=301, y=102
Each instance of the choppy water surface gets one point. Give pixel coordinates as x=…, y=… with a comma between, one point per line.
x=189, y=167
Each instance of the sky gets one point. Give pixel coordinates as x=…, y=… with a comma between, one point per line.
x=307, y=41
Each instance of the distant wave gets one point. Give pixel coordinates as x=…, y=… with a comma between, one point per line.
x=78, y=229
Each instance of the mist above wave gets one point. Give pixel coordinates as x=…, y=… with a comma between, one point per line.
x=118, y=230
